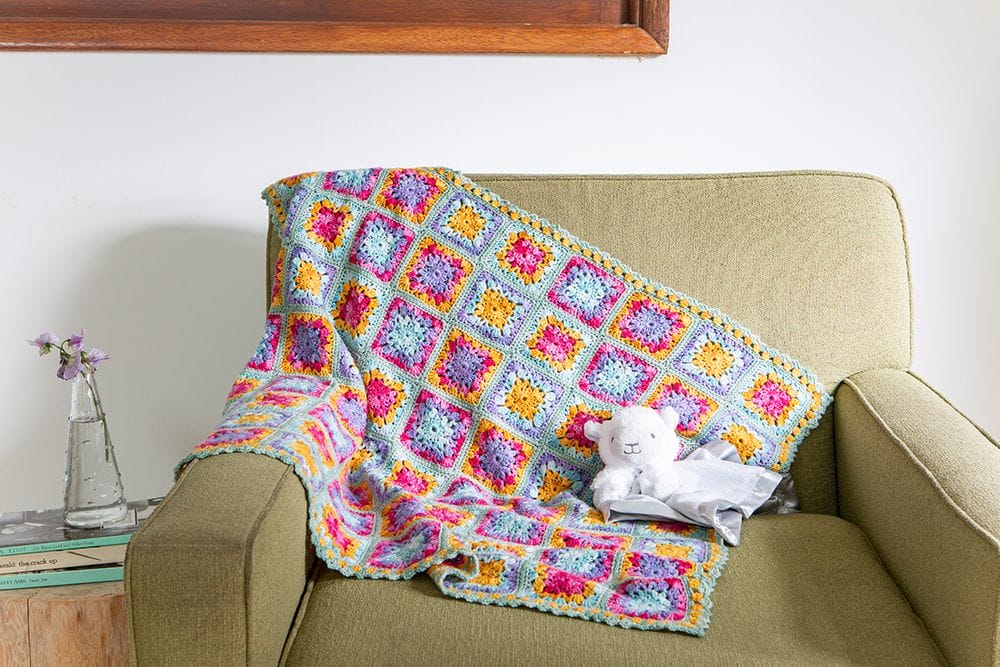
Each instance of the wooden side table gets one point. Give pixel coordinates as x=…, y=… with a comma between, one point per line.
x=64, y=625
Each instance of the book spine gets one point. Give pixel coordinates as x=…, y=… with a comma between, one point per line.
x=65, y=545
x=61, y=578
x=59, y=560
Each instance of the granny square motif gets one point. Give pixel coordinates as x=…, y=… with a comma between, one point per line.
x=429, y=360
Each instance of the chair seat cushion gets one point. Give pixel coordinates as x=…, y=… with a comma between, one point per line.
x=804, y=588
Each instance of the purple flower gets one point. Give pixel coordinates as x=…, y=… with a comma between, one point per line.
x=436, y=272
x=69, y=366
x=76, y=340
x=411, y=190
x=308, y=346
x=44, y=342
x=72, y=358
x=498, y=459
x=465, y=367
x=650, y=325
x=96, y=356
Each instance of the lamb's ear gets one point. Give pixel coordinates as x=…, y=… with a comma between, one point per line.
x=592, y=430
x=669, y=415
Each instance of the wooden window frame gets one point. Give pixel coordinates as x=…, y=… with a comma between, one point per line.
x=610, y=27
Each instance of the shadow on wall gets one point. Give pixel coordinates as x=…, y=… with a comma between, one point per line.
x=180, y=309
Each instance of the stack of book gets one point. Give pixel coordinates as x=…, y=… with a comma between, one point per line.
x=36, y=549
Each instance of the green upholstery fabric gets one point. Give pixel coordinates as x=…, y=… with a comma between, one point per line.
x=221, y=564
x=216, y=575
x=802, y=259
x=924, y=483
x=803, y=589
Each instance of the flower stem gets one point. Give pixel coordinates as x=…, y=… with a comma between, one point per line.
x=88, y=374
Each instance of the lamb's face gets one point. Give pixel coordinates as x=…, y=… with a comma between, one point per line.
x=636, y=436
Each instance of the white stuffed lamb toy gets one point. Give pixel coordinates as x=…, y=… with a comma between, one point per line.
x=639, y=446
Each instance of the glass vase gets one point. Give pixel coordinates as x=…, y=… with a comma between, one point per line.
x=94, y=493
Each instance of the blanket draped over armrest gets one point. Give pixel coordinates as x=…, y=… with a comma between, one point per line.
x=430, y=356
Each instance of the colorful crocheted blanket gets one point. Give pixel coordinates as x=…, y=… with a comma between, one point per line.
x=429, y=359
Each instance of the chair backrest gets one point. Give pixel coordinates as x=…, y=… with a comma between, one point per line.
x=815, y=263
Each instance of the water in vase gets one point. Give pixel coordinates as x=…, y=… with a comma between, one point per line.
x=94, y=493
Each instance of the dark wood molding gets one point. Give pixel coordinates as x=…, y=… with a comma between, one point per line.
x=654, y=19
x=618, y=27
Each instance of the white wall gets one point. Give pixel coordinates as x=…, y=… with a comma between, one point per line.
x=129, y=183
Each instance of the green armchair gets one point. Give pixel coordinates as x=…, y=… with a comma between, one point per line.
x=895, y=557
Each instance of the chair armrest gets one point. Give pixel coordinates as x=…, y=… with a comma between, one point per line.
x=214, y=577
x=924, y=483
